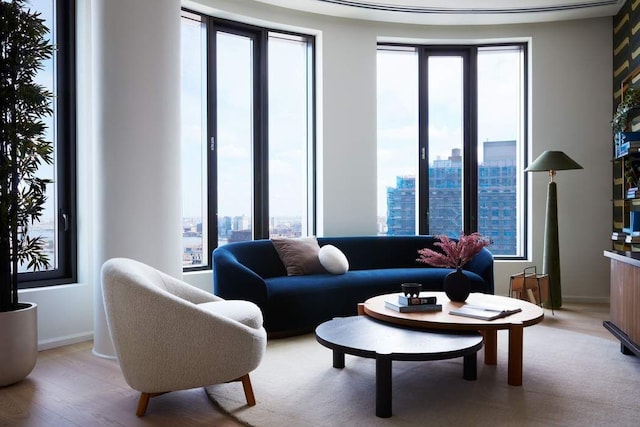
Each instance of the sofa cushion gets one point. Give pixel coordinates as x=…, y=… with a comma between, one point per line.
x=303, y=302
x=366, y=283
x=333, y=260
x=299, y=255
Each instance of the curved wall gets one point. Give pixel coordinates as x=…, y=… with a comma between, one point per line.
x=570, y=86
x=570, y=110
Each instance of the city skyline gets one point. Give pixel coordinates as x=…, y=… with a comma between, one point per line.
x=497, y=193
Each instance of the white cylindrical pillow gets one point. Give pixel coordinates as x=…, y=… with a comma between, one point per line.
x=333, y=260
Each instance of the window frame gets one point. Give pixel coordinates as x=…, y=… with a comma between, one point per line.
x=260, y=144
x=65, y=153
x=470, y=189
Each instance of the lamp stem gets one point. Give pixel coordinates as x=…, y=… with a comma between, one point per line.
x=551, y=255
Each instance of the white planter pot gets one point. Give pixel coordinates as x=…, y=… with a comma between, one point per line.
x=18, y=343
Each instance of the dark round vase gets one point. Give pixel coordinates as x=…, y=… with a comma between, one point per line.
x=457, y=286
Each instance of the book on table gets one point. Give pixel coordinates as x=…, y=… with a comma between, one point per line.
x=408, y=308
x=484, y=312
x=419, y=300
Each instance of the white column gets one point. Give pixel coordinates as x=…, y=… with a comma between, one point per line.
x=137, y=200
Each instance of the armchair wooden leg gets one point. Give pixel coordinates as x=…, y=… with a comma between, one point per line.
x=144, y=402
x=248, y=390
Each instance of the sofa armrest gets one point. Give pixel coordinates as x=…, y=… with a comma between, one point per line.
x=233, y=280
x=482, y=265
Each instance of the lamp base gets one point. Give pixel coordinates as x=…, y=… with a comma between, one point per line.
x=551, y=254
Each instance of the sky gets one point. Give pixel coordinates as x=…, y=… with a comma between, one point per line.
x=288, y=69
x=45, y=77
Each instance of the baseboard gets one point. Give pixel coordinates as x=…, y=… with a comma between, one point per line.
x=62, y=341
x=590, y=300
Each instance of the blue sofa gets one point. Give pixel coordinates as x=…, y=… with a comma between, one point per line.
x=253, y=271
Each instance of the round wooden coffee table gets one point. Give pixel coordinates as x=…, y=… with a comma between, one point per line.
x=531, y=314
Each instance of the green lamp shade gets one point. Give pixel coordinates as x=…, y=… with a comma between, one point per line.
x=552, y=161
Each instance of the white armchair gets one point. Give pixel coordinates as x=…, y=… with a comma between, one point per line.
x=169, y=335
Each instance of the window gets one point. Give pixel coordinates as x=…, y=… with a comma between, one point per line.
x=57, y=225
x=451, y=142
x=247, y=135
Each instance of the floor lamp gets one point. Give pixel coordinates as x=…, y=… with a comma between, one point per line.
x=552, y=161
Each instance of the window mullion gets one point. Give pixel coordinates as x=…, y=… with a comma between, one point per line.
x=470, y=187
x=423, y=142
x=261, y=137
x=212, y=139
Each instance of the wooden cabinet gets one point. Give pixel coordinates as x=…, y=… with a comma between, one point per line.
x=625, y=300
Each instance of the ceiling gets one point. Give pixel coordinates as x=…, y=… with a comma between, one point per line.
x=456, y=12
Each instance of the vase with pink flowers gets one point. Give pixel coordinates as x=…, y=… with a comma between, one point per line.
x=454, y=253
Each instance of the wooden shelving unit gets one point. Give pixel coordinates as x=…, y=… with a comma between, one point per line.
x=625, y=256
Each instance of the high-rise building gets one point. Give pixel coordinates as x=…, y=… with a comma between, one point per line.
x=445, y=195
x=401, y=212
x=497, y=198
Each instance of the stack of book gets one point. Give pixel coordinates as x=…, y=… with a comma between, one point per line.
x=408, y=304
x=632, y=238
x=626, y=142
x=632, y=193
x=619, y=236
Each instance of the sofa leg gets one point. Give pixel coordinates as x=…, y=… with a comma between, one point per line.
x=248, y=390
x=144, y=402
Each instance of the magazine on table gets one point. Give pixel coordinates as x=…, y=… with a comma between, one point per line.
x=484, y=312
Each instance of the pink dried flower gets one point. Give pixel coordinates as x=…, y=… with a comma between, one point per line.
x=454, y=253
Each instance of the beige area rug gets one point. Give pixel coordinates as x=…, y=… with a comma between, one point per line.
x=570, y=379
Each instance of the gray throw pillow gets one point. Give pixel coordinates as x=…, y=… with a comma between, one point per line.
x=299, y=255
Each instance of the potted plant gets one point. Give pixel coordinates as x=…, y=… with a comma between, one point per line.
x=23, y=148
x=630, y=100
x=455, y=254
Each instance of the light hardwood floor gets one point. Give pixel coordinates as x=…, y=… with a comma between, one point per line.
x=71, y=387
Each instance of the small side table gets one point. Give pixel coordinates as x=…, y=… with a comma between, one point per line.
x=366, y=337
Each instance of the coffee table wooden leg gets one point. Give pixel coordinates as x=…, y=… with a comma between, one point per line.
x=490, y=347
x=516, y=331
x=470, y=367
x=338, y=359
x=383, y=385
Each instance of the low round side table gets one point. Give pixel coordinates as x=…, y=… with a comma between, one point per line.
x=366, y=337
x=530, y=315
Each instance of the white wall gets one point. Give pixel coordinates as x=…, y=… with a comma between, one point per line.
x=571, y=86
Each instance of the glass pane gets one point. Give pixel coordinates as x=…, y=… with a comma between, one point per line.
x=445, y=123
x=47, y=227
x=289, y=121
x=193, y=141
x=235, y=135
x=500, y=141
x=397, y=103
